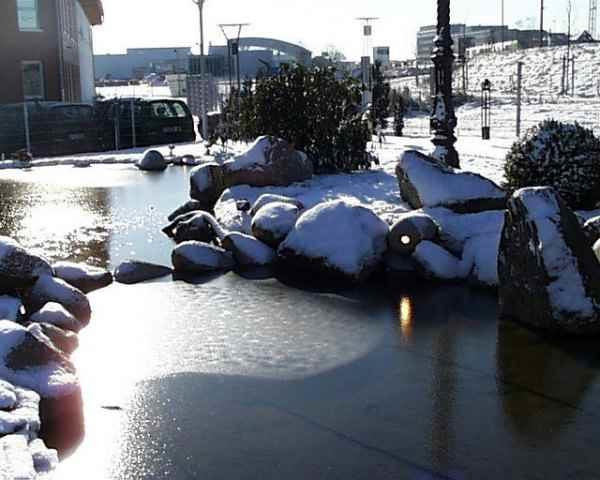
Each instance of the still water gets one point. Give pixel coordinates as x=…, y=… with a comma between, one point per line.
x=233, y=378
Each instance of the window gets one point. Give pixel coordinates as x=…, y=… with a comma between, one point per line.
x=179, y=110
x=27, y=13
x=33, y=80
x=162, y=110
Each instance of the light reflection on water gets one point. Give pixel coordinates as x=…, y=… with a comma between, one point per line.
x=252, y=379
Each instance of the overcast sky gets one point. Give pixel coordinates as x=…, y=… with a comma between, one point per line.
x=312, y=23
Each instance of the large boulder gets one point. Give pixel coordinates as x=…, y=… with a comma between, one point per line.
x=248, y=251
x=272, y=223
x=336, y=239
x=64, y=340
x=411, y=229
x=10, y=308
x=152, y=161
x=268, y=161
x=22, y=265
x=436, y=263
x=267, y=198
x=424, y=182
x=132, y=271
x=549, y=277
x=29, y=359
x=197, y=257
x=207, y=183
x=84, y=277
x=50, y=289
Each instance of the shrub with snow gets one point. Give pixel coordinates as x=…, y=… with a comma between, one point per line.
x=560, y=155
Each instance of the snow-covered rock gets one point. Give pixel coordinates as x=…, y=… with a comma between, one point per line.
x=434, y=262
x=207, y=183
x=55, y=314
x=548, y=275
x=268, y=161
x=248, y=251
x=10, y=308
x=268, y=198
x=23, y=459
x=19, y=409
x=83, y=277
x=29, y=359
x=337, y=238
x=17, y=262
x=196, y=226
x=425, y=182
x=189, y=206
x=199, y=257
x=49, y=289
x=133, y=271
x=410, y=230
x=65, y=340
x=272, y=223
x=480, y=259
x=152, y=161
x=591, y=228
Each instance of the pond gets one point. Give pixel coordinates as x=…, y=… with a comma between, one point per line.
x=256, y=379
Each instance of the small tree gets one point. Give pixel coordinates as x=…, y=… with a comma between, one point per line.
x=247, y=120
x=398, y=111
x=380, y=109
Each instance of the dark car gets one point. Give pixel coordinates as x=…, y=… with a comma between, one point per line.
x=136, y=122
x=54, y=128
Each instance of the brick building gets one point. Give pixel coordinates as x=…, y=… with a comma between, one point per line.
x=46, y=49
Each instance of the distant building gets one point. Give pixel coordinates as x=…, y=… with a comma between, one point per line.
x=382, y=55
x=137, y=63
x=468, y=37
x=46, y=49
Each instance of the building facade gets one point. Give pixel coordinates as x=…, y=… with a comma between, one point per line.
x=137, y=63
x=382, y=55
x=46, y=49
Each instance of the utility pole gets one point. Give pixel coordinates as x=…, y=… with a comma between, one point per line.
x=592, y=21
x=502, y=19
x=203, y=82
x=234, y=49
x=365, y=60
x=519, y=83
x=542, y=23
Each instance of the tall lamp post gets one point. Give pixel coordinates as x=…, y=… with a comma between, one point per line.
x=443, y=119
x=203, y=82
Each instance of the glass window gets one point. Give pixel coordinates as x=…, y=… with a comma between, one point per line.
x=27, y=13
x=179, y=110
x=162, y=110
x=33, y=80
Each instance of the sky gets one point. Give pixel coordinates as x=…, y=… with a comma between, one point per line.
x=315, y=24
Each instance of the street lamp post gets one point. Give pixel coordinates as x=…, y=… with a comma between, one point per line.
x=203, y=82
x=443, y=119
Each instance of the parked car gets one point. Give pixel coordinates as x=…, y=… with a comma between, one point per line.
x=54, y=128
x=129, y=122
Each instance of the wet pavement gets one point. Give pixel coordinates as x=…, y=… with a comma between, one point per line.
x=233, y=378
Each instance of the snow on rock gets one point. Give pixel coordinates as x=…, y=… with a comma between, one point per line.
x=55, y=314
x=199, y=257
x=83, y=277
x=409, y=230
x=337, y=238
x=133, y=271
x=480, y=259
x=591, y=228
x=28, y=359
x=207, y=183
x=152, y=161
x=189, y=206
x=196, y=226
x=274, y=221
x=50, y=289
x=548, y=274
x=20, y=263
x=268, y=198
x=248, y=251
x=10, y=308
x=19, y=409
x=65, y=340
x=435, y=262
x=22, y=459
x=425, y=182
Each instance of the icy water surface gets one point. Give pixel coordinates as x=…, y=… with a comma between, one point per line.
x=253, y=379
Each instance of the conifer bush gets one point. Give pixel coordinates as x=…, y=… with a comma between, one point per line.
x=560, y=155
x=315, y=111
